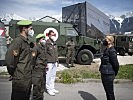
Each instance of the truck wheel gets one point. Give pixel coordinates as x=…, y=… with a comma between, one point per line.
x=85, y=57
x=122, y=52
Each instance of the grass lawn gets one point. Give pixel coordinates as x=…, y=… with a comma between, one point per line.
x=77, y=74
x=80, y=72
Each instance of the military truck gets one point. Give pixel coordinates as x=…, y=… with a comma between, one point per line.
x=83, y=22
x=3, y=46
x=124, y=44
x=86, y=47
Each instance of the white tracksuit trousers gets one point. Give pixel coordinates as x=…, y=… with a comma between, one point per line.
x=50, y=76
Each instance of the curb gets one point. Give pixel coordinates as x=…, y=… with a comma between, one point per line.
x=116, y=81
x=4, y=76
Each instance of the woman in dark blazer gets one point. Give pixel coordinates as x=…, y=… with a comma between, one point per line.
x=109, y=67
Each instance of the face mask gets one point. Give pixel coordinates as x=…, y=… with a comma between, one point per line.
x=31, y=33
x=105, y=43
x=43, y=42
x=53, y=37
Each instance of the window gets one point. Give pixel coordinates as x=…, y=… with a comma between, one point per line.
x=131, y=39
x=71, y=32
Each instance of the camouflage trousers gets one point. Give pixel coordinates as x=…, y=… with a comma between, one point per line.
x=70, y=57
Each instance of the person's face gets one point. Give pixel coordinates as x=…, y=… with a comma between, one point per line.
x=30, y=28
x=108, y=40
x=52, y=34
x=27, y=30
x=42, y=41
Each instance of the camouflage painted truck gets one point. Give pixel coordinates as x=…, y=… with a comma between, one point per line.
x=83, y=22
x=124, y=44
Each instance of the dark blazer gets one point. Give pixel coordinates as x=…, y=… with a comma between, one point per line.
x=51, y=51
x=109, y=62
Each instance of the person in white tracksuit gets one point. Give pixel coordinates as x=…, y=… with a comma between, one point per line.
x=52, y=62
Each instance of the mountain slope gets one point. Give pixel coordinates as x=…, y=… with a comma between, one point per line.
x=121, y=25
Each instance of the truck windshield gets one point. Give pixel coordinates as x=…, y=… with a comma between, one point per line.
x=71, y=32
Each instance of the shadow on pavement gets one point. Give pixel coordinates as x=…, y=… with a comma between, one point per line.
x=86, y=95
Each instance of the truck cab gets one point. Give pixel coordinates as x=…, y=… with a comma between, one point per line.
x=124, y=44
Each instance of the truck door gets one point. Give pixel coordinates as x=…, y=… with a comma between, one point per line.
x=72, y=33
x=64, y=36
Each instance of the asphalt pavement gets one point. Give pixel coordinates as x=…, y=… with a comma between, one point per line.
x=77, y=91
x=91, y=90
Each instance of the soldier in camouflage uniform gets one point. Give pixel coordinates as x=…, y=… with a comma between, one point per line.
x=70, y=52
x=40, y=63
x=18, y=59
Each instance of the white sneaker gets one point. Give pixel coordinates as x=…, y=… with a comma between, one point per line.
x=55, y=91
x=51, y=93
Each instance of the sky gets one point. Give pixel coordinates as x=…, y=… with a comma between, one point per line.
x=40, y=8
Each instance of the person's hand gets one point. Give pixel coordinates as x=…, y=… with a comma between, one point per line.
x=10, y=78
x=46, y=69
x=57, y=64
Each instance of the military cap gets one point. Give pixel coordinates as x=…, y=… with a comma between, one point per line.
x=40, y=36
x=24, y=22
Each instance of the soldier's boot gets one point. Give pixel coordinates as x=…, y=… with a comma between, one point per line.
x=68, y=65
x=72, y=65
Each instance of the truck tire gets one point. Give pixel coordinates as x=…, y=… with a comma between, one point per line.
x=122, y=52
x=85, y=57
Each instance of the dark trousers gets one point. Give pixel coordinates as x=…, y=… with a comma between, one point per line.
x=38, y=81
x=21, y=89
x=107, y=81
